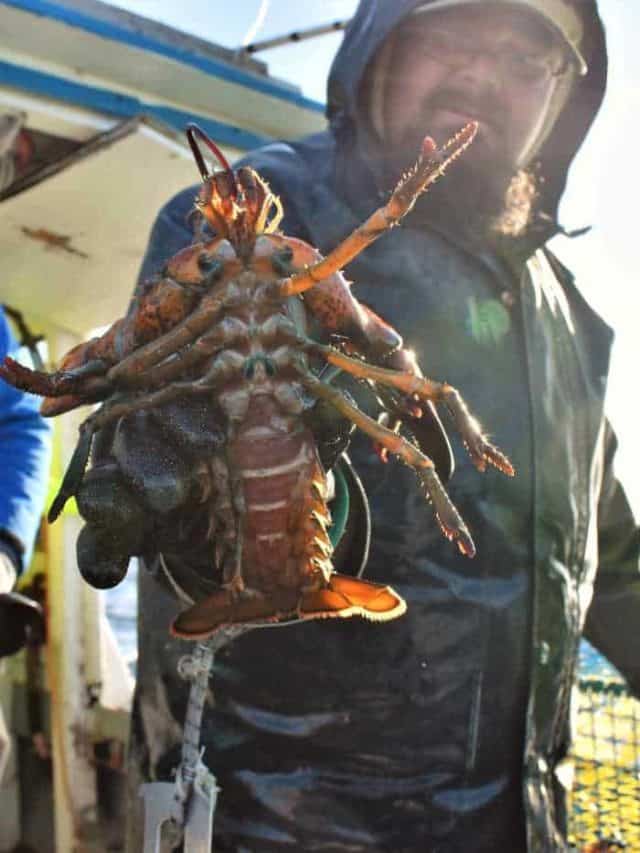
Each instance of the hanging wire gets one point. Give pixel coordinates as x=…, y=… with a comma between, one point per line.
x=296, y=36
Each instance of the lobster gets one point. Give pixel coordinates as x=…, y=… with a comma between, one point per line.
x=218, y=343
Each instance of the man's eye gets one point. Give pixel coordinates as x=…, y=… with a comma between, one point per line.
x=527, y=67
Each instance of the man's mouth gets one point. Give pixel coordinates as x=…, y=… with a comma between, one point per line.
x=449, y=119
x=459, y=114
x=459, y=110
x=465, y=113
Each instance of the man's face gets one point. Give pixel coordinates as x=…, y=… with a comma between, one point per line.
x=495, y=65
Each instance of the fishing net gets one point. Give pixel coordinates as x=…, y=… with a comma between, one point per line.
x=605, y=798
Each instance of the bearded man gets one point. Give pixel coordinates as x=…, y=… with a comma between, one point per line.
x=443, y=730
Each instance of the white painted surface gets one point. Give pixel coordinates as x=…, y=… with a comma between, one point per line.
x=105, y=204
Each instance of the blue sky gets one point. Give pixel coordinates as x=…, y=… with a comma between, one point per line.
x=604, y=183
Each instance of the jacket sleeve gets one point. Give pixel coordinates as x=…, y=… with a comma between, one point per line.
x=25, y=447
x=614, y=616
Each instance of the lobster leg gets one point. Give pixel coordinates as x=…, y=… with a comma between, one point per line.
x=230, y=507
x=430, y=166
x=184, y=333
x=85, y=379
x=480, y=450
x=81, y=378
x=224, y=334
x=115, y=411
x=447, y=515
x=333, y=304
x=225, y=365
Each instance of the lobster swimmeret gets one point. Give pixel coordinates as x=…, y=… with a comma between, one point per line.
x=225, y=323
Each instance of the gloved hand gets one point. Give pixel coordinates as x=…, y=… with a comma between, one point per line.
x=20, y=616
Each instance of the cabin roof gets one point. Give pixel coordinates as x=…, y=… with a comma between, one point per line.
x=73, y=238
x=118, y=25
x=90, y=55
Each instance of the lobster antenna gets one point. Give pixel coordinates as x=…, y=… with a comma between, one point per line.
x=192, y=131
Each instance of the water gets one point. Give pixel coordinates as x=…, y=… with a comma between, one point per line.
x=121, y=606
x=591, y=662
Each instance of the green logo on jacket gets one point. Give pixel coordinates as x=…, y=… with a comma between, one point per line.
x=488, y=321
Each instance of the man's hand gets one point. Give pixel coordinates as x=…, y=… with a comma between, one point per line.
x=20, y=616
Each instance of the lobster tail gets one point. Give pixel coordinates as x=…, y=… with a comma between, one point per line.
x=341, y=598
x=224, y=608
x=345, y=596
x=287, y=569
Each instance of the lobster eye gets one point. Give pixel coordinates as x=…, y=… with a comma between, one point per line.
x=281, y=261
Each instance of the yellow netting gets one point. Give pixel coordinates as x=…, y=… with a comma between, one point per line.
x=605, y=801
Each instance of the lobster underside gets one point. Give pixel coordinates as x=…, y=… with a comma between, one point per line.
x=215, y=353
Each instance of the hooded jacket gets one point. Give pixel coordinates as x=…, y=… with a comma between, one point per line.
x=441, y=731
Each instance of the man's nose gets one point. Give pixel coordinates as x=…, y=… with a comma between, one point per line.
x=480, y=73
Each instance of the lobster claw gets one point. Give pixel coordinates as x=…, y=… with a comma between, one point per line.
x=427, y=430
x=432, y=439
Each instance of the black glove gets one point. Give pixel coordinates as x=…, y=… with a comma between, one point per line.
x=21, y=618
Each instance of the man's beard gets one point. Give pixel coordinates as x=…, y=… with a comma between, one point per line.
x=483, y=196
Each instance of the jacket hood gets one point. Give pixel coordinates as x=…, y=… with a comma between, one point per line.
x=372, y=25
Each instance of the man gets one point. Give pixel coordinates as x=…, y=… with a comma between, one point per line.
x=24, y=476
x=444, y=730
x=24, y=470
x=24, y=435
